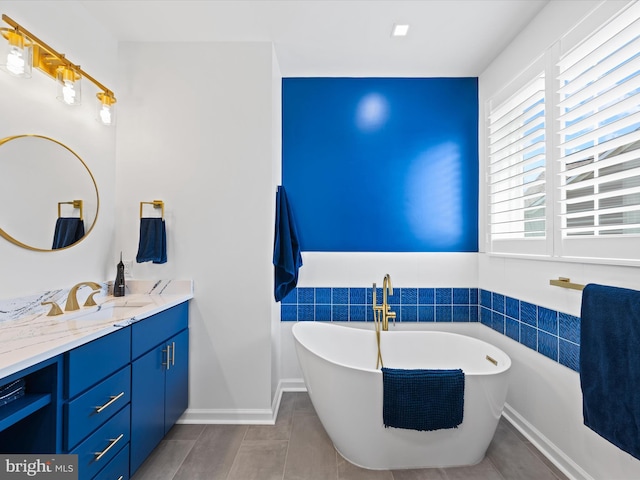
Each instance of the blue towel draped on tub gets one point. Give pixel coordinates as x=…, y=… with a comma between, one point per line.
x=286, y=249
x=610, y=364
x=152, y=246
x=422, y=399
x=68, y=231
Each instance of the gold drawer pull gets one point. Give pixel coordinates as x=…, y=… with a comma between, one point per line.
x=113, y=441
x=173, y=353
x=168, y=352
x=113, y=399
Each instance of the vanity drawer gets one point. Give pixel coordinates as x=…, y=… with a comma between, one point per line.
x=118, y=468
x=91, y=409
x=150, y=332
x=90, y=363
x=103, y=445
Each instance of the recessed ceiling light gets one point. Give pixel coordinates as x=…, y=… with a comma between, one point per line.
x=400, y=30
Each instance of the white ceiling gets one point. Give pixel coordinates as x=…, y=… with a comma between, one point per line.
x=447, y=38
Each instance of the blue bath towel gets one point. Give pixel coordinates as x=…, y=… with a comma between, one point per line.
x=152, y=246
x=68, y=231
x=422, y=399
x=610, y=364
x=287, y=259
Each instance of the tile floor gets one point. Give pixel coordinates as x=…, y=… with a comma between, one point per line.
x=298, y=448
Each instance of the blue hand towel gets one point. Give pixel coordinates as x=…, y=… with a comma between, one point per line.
x=68, y=231
x=610, y=364
x=152, y=246
x=286, y=249
x=422, y=399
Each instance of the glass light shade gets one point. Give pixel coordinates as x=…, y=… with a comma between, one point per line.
x=106, y=112
x=69, y=90
x=16, y=54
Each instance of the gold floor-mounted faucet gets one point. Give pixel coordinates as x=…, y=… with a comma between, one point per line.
x=72, y=299
x=384, y=309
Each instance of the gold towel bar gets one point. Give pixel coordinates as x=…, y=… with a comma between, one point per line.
x=565, y=282
x=76, y=204
x=155, y=203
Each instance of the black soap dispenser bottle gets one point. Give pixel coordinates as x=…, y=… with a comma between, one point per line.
x=118, y=285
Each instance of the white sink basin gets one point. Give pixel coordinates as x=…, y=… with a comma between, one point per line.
x=112, y=310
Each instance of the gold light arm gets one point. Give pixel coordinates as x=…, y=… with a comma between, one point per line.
x=49, y=60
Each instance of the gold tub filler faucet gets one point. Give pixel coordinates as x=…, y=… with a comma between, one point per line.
x=382, y=313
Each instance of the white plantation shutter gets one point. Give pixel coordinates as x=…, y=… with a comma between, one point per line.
x=599, y=135
x=517, y=165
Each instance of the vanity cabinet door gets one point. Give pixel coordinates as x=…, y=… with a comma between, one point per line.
x=177, y=379
x=147, y=404
x=159, y=389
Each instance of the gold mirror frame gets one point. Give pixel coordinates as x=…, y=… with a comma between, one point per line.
x=95, y=185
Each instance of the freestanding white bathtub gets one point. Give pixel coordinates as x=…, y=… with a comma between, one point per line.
x=339, y=368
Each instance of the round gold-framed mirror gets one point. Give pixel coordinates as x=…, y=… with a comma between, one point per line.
x=48, y=196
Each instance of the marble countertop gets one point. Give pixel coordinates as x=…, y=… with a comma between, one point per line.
x=35, y=337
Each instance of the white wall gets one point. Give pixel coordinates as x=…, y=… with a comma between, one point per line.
x=545, y=397
x=30, y=106
x=196, y=130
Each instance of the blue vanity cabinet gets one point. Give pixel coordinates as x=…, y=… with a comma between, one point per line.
x=159, y=378
x=97, y=412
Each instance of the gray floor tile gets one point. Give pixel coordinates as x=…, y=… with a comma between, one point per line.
x=302, y=404
x=420, y=474
x=311, y=455
x=184, y=432
x=485, y=470
x=514, y=460
x=555, y=470
x=348, y=471
x=282, y=428
x=164, y=461
x=260, y=461
x=212, y=457
x=298, y=448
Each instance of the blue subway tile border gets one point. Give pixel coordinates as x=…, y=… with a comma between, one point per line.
x=551, y=333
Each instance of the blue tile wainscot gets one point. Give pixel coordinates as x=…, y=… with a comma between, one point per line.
x=553, y=334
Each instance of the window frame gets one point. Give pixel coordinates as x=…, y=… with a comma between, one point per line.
x=616, y=249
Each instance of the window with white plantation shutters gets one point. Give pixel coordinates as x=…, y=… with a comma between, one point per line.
x=599, y=134
x=517, y=166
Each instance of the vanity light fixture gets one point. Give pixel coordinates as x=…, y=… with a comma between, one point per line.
x=16, y=53
x=400, y=30
x=24, y=50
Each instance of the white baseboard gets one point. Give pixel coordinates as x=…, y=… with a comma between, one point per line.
x=240, y=416
x=546, y=447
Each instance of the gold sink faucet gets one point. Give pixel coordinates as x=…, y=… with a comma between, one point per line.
x=385, y=309
x=72, y=300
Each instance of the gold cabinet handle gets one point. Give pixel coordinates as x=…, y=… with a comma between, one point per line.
x=168, y=352
x=173, y=353
x=113, y=398
x=113, y=441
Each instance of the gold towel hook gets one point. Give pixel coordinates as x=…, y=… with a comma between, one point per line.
x=156, y=204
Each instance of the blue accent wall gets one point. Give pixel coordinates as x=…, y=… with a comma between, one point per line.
x=382, y=164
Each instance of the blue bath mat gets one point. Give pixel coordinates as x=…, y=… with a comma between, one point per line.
x=422, y=400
